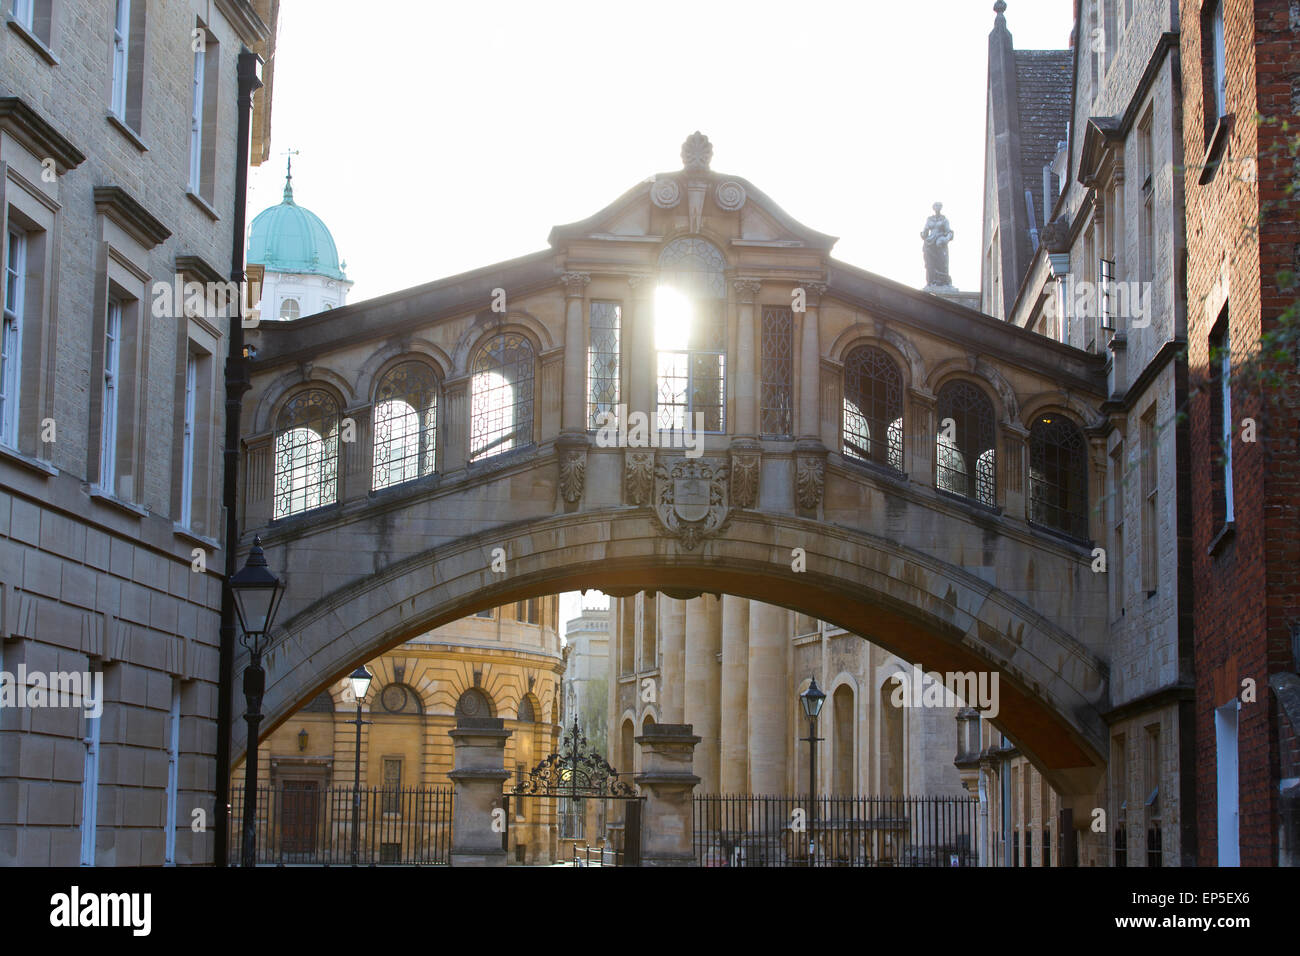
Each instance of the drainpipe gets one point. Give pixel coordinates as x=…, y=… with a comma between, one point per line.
x=250, y=79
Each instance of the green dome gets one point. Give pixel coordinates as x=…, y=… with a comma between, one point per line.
x=289, y=238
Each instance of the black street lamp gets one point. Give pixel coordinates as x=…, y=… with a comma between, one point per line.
x=360, y=681
x=812, y=700
x=257, y=594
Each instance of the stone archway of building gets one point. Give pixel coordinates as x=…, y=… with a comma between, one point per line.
x=842, y=740
x=920, y=609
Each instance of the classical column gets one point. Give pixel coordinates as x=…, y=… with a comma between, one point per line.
x=703, y=683
x=573, y=413
x=734, y=743
x=672, y=679
x=810, y=358
x=455, y=433
x=747, y=372
x=769, y=637
x=640, y=348
x=667, y=780
x=1011, y=470
x=480, y=748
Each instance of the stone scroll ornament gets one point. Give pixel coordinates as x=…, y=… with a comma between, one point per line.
x=744, y=480
x=810, y=478
x=691, y=498
x=573, y=475
x=665, y=193
x=639, y=476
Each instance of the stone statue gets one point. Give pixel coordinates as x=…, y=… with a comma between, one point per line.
x=936, y=235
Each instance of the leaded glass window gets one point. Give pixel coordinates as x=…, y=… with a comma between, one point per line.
x=603, y=361
x=873, y=408
x=501, y=417
x=306, y=453
x=1058, y=472
x=691, y=335
x=405, y=424
x=966, y=456
x=777, y=396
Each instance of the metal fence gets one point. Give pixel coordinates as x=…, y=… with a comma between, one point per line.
x=745, y=830
x=310, y=825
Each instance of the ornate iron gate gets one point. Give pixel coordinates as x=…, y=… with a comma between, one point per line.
x=570, y=779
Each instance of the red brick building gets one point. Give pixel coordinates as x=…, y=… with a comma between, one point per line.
x=1239, y=58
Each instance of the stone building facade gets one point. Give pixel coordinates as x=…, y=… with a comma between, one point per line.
x=586, y=675
x=1239, y=59
x=734, y=669
x=118, y=167
x=503, y=662
x=1084, y=245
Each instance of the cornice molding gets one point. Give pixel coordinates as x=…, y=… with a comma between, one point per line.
x=120, y=206
x=19, y=120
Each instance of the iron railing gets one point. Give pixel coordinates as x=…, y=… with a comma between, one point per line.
x=584, y=855
x=746, y=830
x=307, y=825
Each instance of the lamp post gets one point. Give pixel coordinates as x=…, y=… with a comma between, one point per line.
x=360, y=681
x=257, y=594
x=812, y=700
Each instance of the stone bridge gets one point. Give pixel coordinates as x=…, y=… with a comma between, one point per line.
x=887, y=460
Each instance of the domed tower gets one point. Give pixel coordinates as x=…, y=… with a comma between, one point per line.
x=302, y=274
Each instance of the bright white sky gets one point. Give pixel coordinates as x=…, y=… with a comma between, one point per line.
x=435, y=137
x=439, y=137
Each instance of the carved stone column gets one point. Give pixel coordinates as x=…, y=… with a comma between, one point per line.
x=672, y=637
x=640, y=350
x=704, y=682
x=769, y=703
x=573, y=414
x=747, y=375
x=480, y=746
x=922, y=432
x=667, y=779
x=734, y=745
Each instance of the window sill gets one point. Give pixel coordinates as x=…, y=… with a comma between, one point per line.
x=13, y=455
x=120, y=125
x=35, y=42
x=203, y=205
x=1221, y=539
x=185, y=534
x=974, y=505
x=1059, y=535
x=125, y=507
x=1214, y=151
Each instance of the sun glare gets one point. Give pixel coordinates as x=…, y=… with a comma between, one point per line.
x=672, y=319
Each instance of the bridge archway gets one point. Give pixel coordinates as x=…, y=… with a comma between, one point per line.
x=1052, y=688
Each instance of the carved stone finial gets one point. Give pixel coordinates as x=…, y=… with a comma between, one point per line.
x=697, y=152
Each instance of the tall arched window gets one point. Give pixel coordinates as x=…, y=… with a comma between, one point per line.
x=1058, y=475
x=501, y=417
x=966, y=456
x=873, y=408
x=691, y=335
x=306, y=453
x=405, y=424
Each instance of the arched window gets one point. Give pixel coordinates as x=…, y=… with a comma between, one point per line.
x=289, y=309
x=474, y=703
x=691, y=335
x=1058, y=475
x=306, y=453
x=873, y=408
x=842, y=712
x=501, y=416
x=405, y=424
x=966, y=459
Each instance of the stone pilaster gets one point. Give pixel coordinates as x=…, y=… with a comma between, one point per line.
x=573, y=411
x=668, y=781
x=455, y=427
x=920, y=431
x=1012, y=466
x=640, y=351
x=672, y=638
x=810, y=357
x=747, y=383
x=480, y=747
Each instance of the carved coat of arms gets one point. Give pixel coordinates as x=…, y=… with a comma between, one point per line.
x=691, y=498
